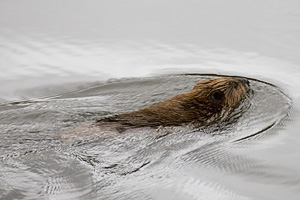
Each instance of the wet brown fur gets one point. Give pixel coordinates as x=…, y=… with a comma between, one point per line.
x=204, y=104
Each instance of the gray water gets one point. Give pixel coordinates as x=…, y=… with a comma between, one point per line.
x=65, y=64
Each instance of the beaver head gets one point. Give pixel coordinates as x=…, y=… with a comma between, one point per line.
x=224, y=92
x=213, y=97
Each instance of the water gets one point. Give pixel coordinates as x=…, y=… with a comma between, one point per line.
x=66, y=64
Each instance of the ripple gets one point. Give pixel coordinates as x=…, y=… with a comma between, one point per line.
x=127, y=165
x=46, y=174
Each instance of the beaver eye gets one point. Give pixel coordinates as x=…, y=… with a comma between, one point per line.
x=217, y=96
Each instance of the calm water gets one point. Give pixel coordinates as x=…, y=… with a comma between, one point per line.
x=67, y=63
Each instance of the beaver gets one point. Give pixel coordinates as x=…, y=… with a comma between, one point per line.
x=206, y=103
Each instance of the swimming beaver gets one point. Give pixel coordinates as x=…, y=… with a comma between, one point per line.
x=207, y=102
x=203, y=104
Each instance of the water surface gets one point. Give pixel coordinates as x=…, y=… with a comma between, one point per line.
x=64, y=64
